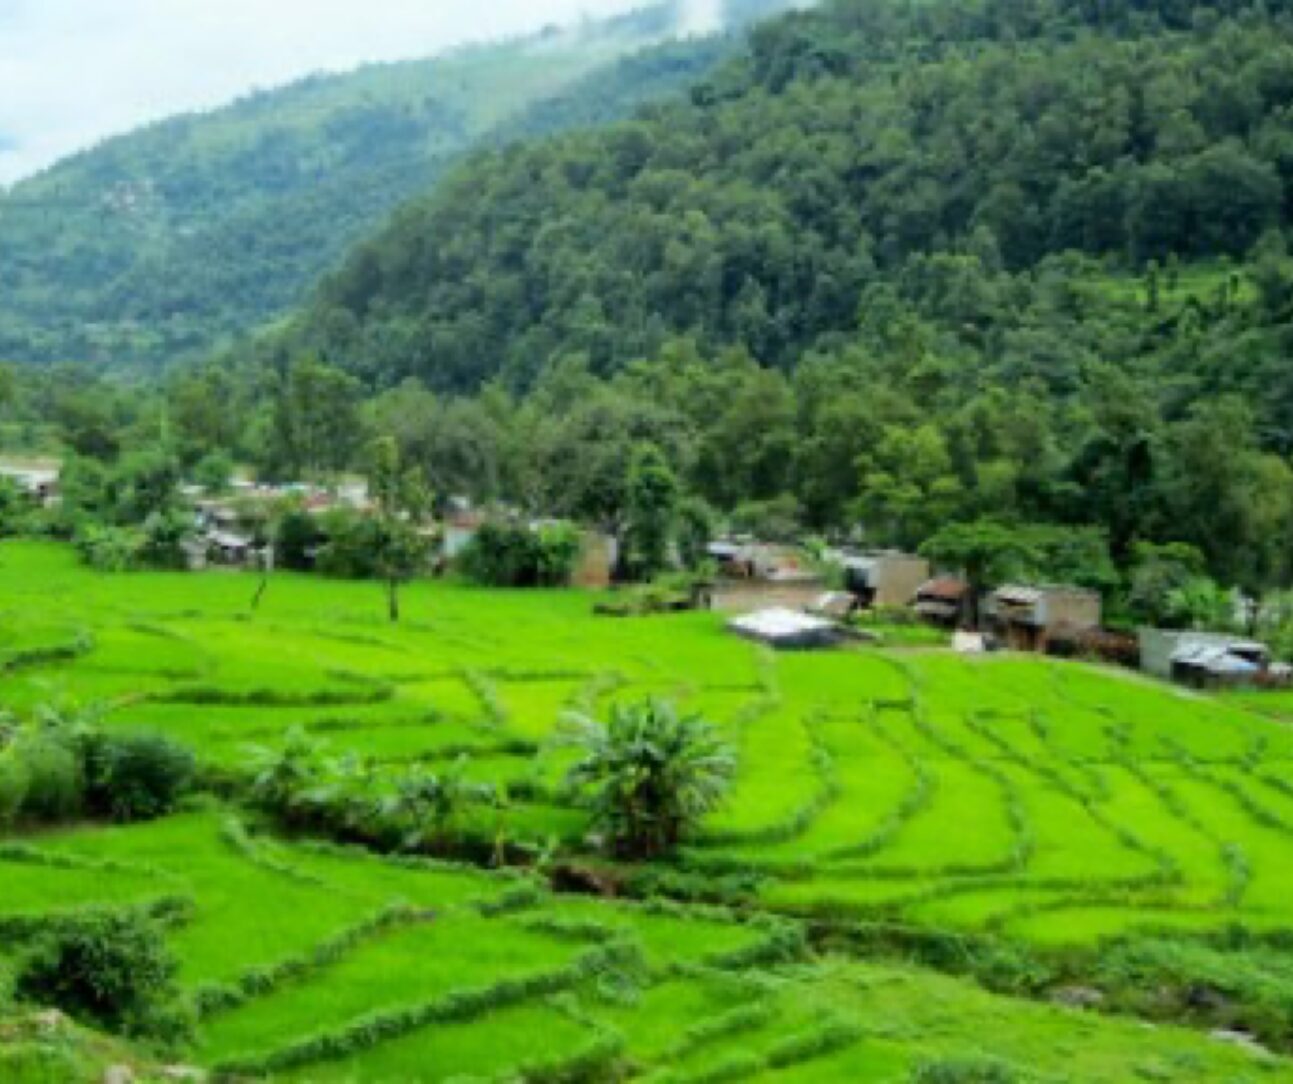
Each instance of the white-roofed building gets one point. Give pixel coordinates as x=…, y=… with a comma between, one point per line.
x=786, y=629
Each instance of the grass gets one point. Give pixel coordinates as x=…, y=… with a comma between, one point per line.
x=1051, y=807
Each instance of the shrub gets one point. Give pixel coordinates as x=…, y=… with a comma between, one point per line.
x=111, y=970
x=132, y=777
x=965, y=1071
x=55, y=776
x=14, y=780
x=110, y=549
x=654, y=773
x=513, y=555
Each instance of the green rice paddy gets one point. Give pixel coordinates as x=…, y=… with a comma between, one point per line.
x=1046, y=805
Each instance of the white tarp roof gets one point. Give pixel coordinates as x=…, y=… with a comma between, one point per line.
x=227, y=541
x=785, y=628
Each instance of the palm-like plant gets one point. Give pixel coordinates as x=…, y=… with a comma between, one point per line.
x=428, y=807
x=283, y=777
x=653, y=774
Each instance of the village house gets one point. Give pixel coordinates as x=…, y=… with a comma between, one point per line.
x=941, y=601
x=1207, y=659
x=757, y=576
x=225, y=539
x=1028, y=618
x=39, y=484
x=885, y=579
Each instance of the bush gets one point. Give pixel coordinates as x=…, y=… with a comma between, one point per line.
x=965, y=1071
x=132, y=777
x=653, y=774
x=55, y=776
x=513, y=555
x=14, y=779
x=110, y=549
x=110, y=970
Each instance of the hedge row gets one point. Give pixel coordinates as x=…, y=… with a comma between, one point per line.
x=270, y=697
x=804, y=1046
x=23, y=854
x=234, y=833
x=259, y=982
x=495, y=712
x=367, y=1032
x=166, y=910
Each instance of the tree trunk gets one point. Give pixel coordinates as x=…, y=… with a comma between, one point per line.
x=260, y=593
x=393, y=599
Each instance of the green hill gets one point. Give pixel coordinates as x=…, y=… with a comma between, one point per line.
x=165, y=240
x=861, y=147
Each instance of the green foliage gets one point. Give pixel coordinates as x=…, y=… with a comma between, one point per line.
x=214, y=472
x=55, y=773
x=14, y=777
x=738, y=228
x=131, y=777
x=965, y=1071
x=429, y=808
x=514, y=555
x=653, y=774
x=113, y=970
x=652, y=509
x=696, y=527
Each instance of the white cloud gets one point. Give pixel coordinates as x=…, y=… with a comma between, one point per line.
x=701, y=16
x=75, y=71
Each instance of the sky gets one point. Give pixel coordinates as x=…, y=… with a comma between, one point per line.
x=75, y=71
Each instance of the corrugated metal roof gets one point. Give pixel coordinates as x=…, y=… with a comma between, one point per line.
x=1214, y=659
x=943, y=589
x=1020, y=596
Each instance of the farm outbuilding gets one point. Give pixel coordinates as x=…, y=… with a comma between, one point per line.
x=885, y=579
x=1027, y=618
x=941, y=601
x=1203, y=659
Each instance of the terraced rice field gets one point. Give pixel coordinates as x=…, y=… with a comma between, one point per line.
x=1041, y=804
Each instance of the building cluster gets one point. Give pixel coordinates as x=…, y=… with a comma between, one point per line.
x=778, y=601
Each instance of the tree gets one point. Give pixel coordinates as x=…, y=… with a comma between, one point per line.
x=695, y=532
x=653, y=774
x=1158, y=573
x=315, y=426
x=983, y=551
x=399, y=552
x=908, y=485
x=213, y=472
x=653, y=500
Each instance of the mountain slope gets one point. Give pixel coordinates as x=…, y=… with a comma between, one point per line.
x=167, y=239
x=846, y=150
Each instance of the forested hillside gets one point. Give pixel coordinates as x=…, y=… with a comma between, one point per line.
x=166, y=240
x=897, y=265
x=869, y=147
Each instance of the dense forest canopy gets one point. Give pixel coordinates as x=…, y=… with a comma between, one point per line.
x=866, y=147
x=165, y=241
